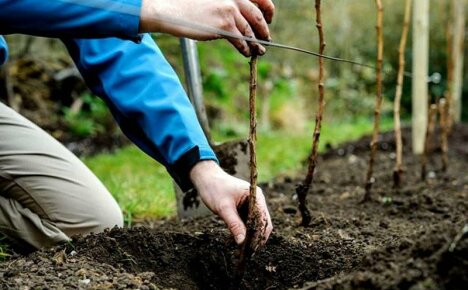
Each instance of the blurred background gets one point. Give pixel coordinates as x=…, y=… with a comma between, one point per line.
x=41, y=83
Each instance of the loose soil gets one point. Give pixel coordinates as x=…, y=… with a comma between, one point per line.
x=412, y=238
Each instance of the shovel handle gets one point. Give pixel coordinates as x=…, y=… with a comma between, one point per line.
x=194, y=82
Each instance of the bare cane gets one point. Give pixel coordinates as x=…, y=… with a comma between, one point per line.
x=431, y=120
x=378, y=103
x=249, y=247
x=444, y=128
x=303, y=189
x=398, y=171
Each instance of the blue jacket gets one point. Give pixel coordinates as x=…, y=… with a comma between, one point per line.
x=124, y=68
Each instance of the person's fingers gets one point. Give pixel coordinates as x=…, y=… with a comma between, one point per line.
x=267, y=7
x=268, y=229
x=240, y=45
x=264, y=221
x=244, y=27
x=228, y=212
x=255, y=19
x=265, y=216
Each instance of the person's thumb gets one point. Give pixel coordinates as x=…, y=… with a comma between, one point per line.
x=237, y=228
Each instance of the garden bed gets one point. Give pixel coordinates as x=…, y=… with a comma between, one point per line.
x=407, y=239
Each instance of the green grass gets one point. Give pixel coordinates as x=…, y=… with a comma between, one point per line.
x=3, y=248
x=144, y=189
x=140, y=185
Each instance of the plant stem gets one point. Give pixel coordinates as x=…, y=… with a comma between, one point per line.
x=378, y=102
x=303, y=189
x=444, y=127
x=431, y=120
x=398, y=171
x=253, y=214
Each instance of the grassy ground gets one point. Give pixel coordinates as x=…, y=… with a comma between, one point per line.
x=143, y=188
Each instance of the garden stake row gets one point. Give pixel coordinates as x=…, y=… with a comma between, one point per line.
x=398, y=171
x=431, y=121
x=303, y=188
x=249, y=246
x=378, y=103
x=444, y=129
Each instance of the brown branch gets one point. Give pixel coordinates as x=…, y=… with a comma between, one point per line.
x=253, y=214
x=398, y=171
x=444, y=116
x=378, y=102
x=431, y=120
x=303, y=189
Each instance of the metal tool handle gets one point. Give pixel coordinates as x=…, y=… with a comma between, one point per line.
x=194, y=82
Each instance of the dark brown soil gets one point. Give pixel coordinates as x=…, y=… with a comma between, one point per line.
x=412, y=238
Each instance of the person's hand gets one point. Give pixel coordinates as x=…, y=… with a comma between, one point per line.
x=224, y=194
x=240, y=17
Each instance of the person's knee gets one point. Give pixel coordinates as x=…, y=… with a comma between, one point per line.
x=109, y=217
x=96, y=219
x=92, y=212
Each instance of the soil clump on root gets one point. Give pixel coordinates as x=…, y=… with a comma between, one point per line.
x=413, y=238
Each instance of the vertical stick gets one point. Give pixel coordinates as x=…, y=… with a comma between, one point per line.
x=378, y=102
x=419, y=90
x=253, y=214
x=443, y=112
x=450, y=68
x=398, y=171
x=458, y=57
x=431, y=120
x=303, y=189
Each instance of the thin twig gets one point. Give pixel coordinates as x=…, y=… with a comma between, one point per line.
x=458, y=238
x=253, y=214
x=378, y=102
x=303, y=189
x=431, y=120
x=444, y=116
x=398, y=171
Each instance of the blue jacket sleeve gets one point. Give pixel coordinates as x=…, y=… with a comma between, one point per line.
x=3, y=51
x=147, y=100
x=69, y=18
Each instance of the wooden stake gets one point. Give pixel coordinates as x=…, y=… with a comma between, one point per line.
x=450, y=68
x=444, y=116
x=398, y=171
x=431, y=120
x=303, y=189
x=420, y=70
x=378, y=102
x=248, y=248
x=459, y=19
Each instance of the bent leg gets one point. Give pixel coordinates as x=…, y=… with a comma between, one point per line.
x=46, y=193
